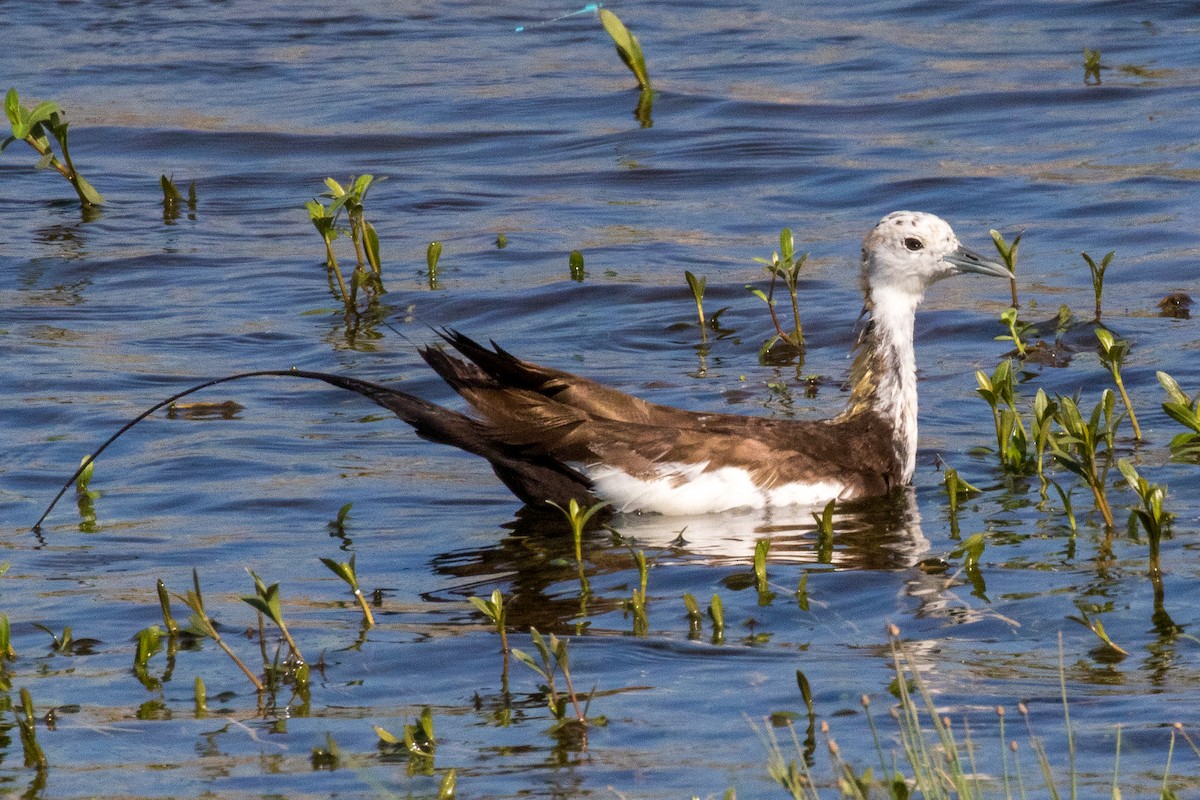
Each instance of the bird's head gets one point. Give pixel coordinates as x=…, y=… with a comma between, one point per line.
x=910, y=250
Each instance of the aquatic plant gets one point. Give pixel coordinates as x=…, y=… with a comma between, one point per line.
x=1186, y=411
x=761, y=548
x=433, y=254
x=1091, y=66
x=695, y=618
x=1076, y=448
x=349, y=574
x=1015, y=329
x=1008, y=254
x=1112, y=356
x=368, y=272
x=636, y=604
x=716, y=612
x=1044, y=410
x=577, y=519
x=955, y=486
x=266, y=601
x=628, y=47
x=575, y=266
x=783, y=265
x=1097, y=271
x=203, y=622
x=697, y=285
x=173, y=199
x=494, y=609
x=27, y=724
x=32, y=128
x=553, y=659
x=1012, y=440
x=1156, y=522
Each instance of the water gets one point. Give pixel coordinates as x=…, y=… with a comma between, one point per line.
x=815, y=117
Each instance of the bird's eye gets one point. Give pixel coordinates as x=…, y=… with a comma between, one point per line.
x=913, y=243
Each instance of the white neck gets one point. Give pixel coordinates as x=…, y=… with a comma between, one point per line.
x=893, y=312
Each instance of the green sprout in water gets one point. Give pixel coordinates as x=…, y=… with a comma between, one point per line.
x=1008, y=253
x=34, y=757
x=433, y=254
x=32, y=128
x=577, y=519
x=368, y=273
x=630, y=51
x=1112, y=356
x=173, y=199
x=267, y=602
x=1015, y=329
x=1186, y=411
x=1091, y=66
x=636, y=604
x=553, y=659
x=1098, y=271
x=955, y=487
x=347, y=573
x=575, y=265
x=785, y=266
x=628, y=47
x=716, y=612
x=695, y=618
x=761, y=548
x=1156, y=523
x=697, y=285
x=195, y=601
x=1012, y=440
x=1078, y=445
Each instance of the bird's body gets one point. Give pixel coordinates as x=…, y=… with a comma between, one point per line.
x=553, y=436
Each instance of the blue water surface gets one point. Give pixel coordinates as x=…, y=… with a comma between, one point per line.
x=817, y=117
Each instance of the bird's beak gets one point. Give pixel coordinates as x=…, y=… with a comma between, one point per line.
x=965, y=259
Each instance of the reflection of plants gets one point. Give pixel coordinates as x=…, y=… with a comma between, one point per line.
x=32, y=128
x=1112, y=356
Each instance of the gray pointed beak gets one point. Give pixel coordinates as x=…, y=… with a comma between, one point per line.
x=964, y=259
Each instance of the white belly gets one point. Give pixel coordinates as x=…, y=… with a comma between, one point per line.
x=691, y=489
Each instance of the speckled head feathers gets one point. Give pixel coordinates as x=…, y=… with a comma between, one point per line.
x=909, y=250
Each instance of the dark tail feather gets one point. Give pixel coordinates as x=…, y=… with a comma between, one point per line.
x=534, y=478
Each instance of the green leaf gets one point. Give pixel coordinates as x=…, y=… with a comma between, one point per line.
x=386, y=736
x=371, y=242
x=42, y=113
x=12, y=110
x=89, y=192
x=628, y=46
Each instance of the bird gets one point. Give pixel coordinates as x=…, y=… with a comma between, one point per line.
x=553, y=437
